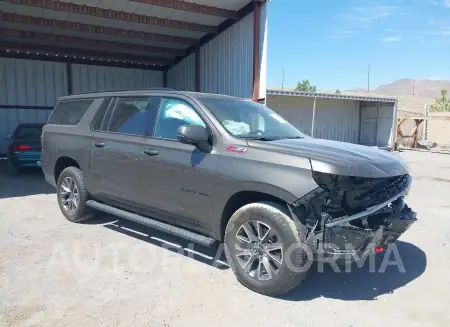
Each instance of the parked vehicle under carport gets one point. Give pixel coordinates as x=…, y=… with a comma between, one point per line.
x=24, y=150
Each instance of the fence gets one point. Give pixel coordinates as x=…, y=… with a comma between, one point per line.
x=435, y=130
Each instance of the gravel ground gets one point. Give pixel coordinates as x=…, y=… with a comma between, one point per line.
x=115, y=273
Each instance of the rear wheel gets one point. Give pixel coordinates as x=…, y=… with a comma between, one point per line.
x=72, y=195
x=264, y=249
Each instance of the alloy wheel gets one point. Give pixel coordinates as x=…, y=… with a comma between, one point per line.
x=259, y=250
x=69, y=195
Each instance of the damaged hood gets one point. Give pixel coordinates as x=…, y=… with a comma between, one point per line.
x=339, y=158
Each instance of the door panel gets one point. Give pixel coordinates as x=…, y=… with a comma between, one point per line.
x=376, y=124
x=180, y=177
x=368, y=124
x=385, y=116
x=116, y=150
x=114, y=166
x=179, y=180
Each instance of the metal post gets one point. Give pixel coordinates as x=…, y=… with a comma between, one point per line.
x=425, y=124
x=197, y=69
x=165, y=78
x=377, y=124
x=69, y=78
x=313, y=118
x=395, y=127
x=256, y=58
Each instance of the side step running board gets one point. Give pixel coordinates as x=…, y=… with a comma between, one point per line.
x=180, y=232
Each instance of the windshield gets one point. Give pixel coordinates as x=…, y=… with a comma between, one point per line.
x=247, y=119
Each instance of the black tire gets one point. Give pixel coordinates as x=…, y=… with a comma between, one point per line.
x=82, y=212
x=294, y=255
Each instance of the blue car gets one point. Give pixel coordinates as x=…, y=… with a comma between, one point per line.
x=25, y=148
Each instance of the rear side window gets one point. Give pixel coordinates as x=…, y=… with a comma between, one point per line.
x=134, y=116
x=69, y=112
x=100, y=115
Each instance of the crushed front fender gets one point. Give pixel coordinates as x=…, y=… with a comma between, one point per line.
x=349, y=216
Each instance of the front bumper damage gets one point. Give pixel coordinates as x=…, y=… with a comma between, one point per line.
x=348, y=217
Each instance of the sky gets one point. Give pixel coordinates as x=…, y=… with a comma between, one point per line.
x=332, y=42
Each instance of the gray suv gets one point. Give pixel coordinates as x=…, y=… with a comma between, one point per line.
x=214, y=168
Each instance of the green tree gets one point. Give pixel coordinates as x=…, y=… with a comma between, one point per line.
x=442, y=103
x=338, y=91
x=305, y=86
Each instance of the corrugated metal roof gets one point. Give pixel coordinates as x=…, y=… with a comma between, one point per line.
x=89, y=19
x=162, y=12
x=172, y=24
x=330, y=96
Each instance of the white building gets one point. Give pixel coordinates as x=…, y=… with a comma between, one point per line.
x=348, y=118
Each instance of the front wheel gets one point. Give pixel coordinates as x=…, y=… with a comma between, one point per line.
x=264, y=249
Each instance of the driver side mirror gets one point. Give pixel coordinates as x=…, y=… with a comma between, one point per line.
x=192, y=134
x=8, y=136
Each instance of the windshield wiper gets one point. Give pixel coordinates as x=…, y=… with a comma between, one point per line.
x=273, y=138
x=292, y=137
x=265, y=139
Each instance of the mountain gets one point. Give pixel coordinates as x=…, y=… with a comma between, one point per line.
x=423, y=88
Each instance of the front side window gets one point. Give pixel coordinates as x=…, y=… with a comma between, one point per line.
x=134, y=116
x=172, y=114
x=248, y=119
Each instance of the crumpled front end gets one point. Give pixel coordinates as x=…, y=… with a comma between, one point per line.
x=349, y=217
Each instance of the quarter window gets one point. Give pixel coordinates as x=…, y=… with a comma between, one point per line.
x=172, y=114
x=69, y=112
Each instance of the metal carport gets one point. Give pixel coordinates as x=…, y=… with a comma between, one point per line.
x=349, y=118
x=53, y=48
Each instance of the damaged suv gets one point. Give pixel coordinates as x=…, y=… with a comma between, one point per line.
x=214, y=168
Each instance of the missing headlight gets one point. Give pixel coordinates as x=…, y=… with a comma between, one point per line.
x=326, y=181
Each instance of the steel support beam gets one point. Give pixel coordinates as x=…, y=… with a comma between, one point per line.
x=256, y=46
x=20, y=107
x=313, y=121
x=76, y=52
x=191, y=7
x=69, y=78
x=41, y=57
x=165, y=78
x=94, y=29
x=80, y=41
x=115, y=15
x=197, y=69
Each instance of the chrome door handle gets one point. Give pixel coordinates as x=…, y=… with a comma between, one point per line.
x=151, y=152
x=100, y=144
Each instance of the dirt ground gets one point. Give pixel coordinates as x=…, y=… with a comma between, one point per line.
x=110, y=272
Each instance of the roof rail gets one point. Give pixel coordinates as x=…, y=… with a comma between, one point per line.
x=124, y=90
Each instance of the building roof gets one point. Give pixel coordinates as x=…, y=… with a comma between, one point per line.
x=330, y=96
